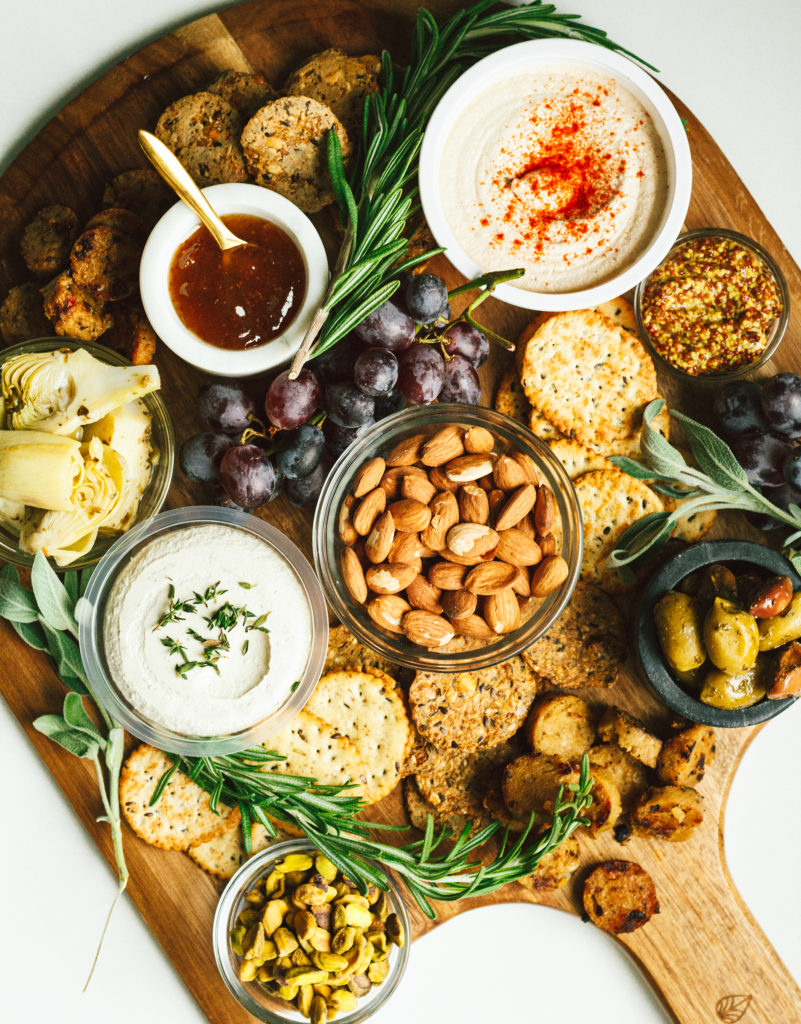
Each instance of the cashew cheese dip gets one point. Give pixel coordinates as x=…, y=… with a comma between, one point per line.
x=206, y=630
x=559, y=170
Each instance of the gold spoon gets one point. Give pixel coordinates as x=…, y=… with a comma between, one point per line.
x=178, y=178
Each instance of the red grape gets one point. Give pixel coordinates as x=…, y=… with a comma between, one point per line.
x=463, y=340
x=200, y=455
x=226, y=406
x=303, y=451
x=461, y=383
x=386, y=327
x=376, y=371
x=425, y=298
x=305, y=491
x=347, y=405
x=421, y=371
x=247, y=475
x=781, y=403
x=762, y=457
x=291, y=402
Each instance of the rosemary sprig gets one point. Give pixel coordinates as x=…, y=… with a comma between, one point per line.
x=718, y=483
x=378, y=197
x=432, y=868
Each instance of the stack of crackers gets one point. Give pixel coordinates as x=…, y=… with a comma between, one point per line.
x=581, y=384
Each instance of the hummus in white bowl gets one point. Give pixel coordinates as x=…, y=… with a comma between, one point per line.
x=206, y=630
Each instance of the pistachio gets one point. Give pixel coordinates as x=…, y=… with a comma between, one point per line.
x=294, y=862
x=359, y=984
x=319, y=1011
x=324, y=867
x=304, y=999
x=285, y=941
x=343, y=939
x=274, y=915
x=253, y=942
x=395, y=930
x=377, y=971
x=310, y=894
x=329, y=961
x=247, y=970
x=304, y=924
x=306, y=976
x=342, y=1000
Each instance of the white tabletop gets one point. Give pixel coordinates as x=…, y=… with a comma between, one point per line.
x=736, y=65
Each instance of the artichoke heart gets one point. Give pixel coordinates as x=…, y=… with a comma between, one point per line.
x=59, y=392
x=127, y=431
x=12, y=515
x=65, y=536
x=39, y=469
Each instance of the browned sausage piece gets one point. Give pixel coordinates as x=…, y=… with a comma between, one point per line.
x=618, y=726
x=47, y=239
x=669, y=812
x=685, y=756
x=619, y=896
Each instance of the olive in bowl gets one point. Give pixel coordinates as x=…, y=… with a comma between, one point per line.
x=718, y=630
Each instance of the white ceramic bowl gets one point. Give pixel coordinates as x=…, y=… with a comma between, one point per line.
x=177, y=224
x=526, y=56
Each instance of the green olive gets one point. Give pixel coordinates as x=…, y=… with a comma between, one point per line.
x=731, y=636
x=781, y=629
x=716, y=581
x=690, y=680
x=730, y=690
x=678, y=626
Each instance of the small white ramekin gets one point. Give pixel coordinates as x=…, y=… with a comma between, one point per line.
x=509, y=61
x=177, y=224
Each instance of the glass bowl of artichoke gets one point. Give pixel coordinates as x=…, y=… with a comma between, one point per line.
x=86, y=450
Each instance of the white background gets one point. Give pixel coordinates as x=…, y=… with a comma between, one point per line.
x=736, y=64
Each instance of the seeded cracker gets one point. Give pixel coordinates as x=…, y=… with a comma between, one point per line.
x=589, y=377
x=181, y=817
x=510, y=399
x=418, y=810
x=367, y=707
x=542, y=428
x=201, y=119
x=223, y=856
x=610, y=503
x=338, y=81
x=345, y=651
x=586, y=646
x=577, y=459
x=314, y=749
x=468, y=711
x=245, y=91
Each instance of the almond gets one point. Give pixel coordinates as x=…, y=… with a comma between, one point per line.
x=368, y=510
x=407, y=451
x=496, y=500
x=528, y=466
x=471, y=539
x=549, y=575
x=487, y=482
x=458, y=604
x=490, y=578
x=410, y=515
x=520, y=503
x=422, y=594
x=508, y=474
x=368, y=477
x=546, y=515
x=347, y=533
x=547, y=543
x=468, y=467
x=389, y=577
x=444, y=515
x=502, y=611
x=427, y=630
x=405, y=547
x=478, y=441
x=440, y=480
x=473, y=503
x=468, y=560
x=474, y=627
x=418, y=487
x=353, y=575
x=521, y=583
x=445, y=445
x=527, y=527
x=388, y=611
x=379, y=541
x=516, y=548
x=446, y=576
x=393, y=479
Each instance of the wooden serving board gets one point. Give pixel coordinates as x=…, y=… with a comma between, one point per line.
x=704, y=953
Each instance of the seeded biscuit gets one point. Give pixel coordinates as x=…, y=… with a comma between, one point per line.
x=367, y=707
x=225, y=854
x=542, y=428
x=577, y=459
x=201, y=119
x=418, y=809
x=22, y=315
x=285, y=146
x=456, y=783
x=586, y=646
x=142, y=191
x=118, y=219
x=181, y=817
x=245, y=91
x=510, y=399
x=314, y=749
x=47, y=239
x=338, y=81
x=620, y=310
x=589, y=377
x=610, y=502
x=469, y=711
x=220, y=164
x=345, y=651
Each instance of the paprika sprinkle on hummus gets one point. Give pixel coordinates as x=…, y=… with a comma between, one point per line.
x=558, y=169
x=711, y=306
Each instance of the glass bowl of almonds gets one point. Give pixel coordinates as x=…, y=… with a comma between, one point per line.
x=295, y=940
x=447, y=538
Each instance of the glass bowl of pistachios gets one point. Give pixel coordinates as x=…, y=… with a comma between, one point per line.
x=295, y=940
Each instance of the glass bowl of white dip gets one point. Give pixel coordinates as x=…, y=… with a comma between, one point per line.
x=203, y=631
x=561, y=158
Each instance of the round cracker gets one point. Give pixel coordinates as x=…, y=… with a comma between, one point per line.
x=245, y=91
x=286, y=150
x=338, y=81
x=345, y=651
x=510, y=398
x=457, y=783
x=314, y=749
x=181, y=817
x=224, y=855
x=577, y=459
x=610, y=502
x=542, y=428
x=214, y=165
x=589, y=377
x=418, y=810
x=201, y=119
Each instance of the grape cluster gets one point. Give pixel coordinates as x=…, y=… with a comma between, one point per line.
x=407, y=350
x=762, y=421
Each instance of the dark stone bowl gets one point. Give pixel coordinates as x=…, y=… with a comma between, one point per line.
x=650, y=654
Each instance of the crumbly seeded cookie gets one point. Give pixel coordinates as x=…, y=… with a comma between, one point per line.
x=345, y=651
x=589, y=377
x=219, y=164
x=339, y=82
x=577, y=459
x=202, y=119
x=586, y=646
x=244, y=90
x=142, y=191
x=510, y=399
x=106, y=261
x=285, y=149
x=456, y=783
x=619, y=897
x=469, y=711
x=75, y=312
x=418, y=809
x=47, y=239
x=610, y=502
x=118, y=219
x=22, y=315
x=132, y=334
x=224, y=855
x=181, y=817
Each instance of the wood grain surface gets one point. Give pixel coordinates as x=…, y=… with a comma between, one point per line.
x=704, y=954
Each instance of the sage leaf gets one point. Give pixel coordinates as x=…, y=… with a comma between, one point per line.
x=54, y=602
x=73, y=741
x=651, y=531
x=16, y=601
x=32, y=633
x=658, y=453
x=632, y=468
x=76, y=716
x=713, y=455
x=72, y=585
x=66, y=654
x=86, y=575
